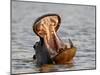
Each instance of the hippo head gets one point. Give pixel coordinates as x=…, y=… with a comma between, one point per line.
x=46, y=27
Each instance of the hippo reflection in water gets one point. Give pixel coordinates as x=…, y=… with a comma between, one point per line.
x=50, y=49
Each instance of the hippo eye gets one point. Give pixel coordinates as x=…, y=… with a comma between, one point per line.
x=36, y=45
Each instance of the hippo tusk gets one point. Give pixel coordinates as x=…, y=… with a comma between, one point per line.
x=71, y=43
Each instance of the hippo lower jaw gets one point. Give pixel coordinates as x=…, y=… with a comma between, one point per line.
x=55, y=45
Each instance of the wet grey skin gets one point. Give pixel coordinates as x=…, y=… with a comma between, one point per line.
x=42, y=55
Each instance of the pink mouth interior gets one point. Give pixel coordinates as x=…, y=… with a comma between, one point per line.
x=46, y=29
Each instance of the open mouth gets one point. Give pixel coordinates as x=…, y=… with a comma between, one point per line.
x=46, y=27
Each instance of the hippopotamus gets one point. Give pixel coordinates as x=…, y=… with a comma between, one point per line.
x=52, y=48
